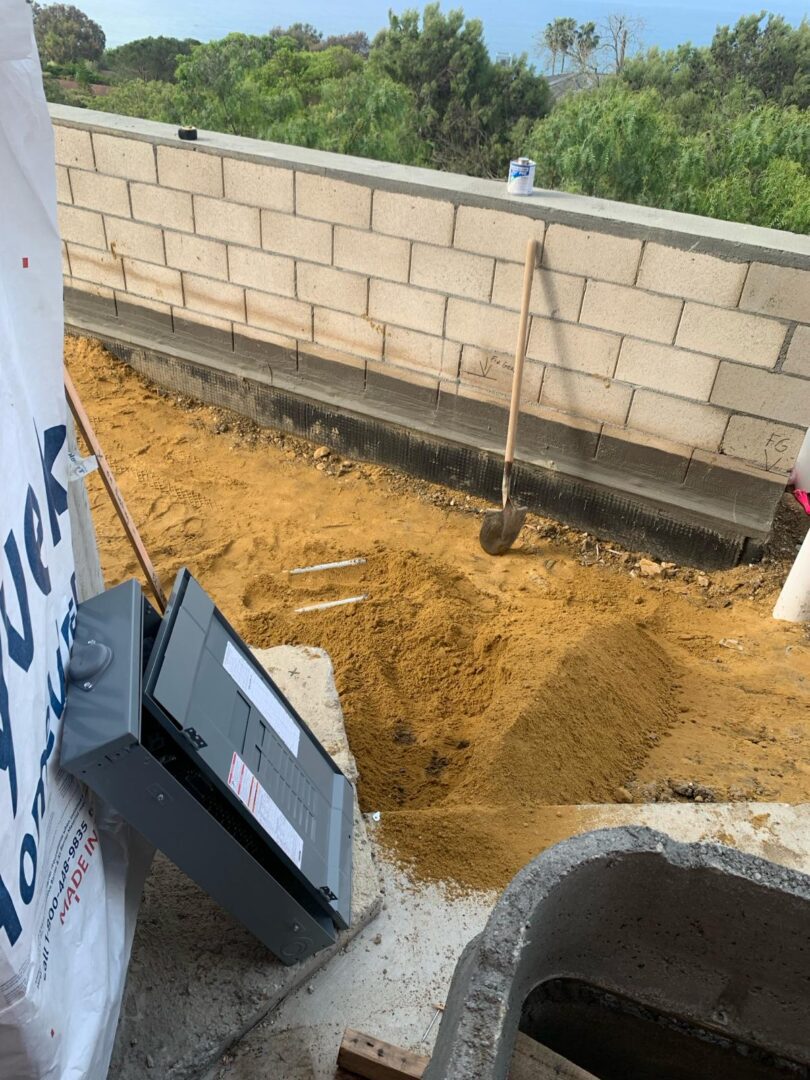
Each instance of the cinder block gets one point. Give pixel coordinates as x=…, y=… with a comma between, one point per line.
x=558, y=296
x=410, y=349
x=493, y=372
x=643, y=455
x=133, y=159
x=259, y=270
x=466, y=409
x=227, y=221
x=144, y=316
x=207, y=258
x=161, y=206
x=154, y=282
x=762, y=393
x=348, y=333
x=90, y=264
x=279, y=314
x=267, y=350
x=406, y=306
x=73, y=147
x=105, y=193
x=84, y=299
x=258, y=185
x=797, y=361
x=731, y=334
x=496, y=233
x=338, y=372
x=585, y=395
x=82, y=226
x=777, y=290
x=682, y=421
x=63, y=192
x=692, y=275
x=372, y=254
x=409, y=393
x=750, y=491
x=125, y=237
x=478, y=324
x=299, y=237
x=190, y=170
x=203, y=332
x=546, y=433
x=332, y=200
x=327, y=287
x=214, y=298
x=413, y=217
x=592, y=254
x=630, y=311
x=664, y=368
x=452, y=271
x=574, y=347
x=766, y=444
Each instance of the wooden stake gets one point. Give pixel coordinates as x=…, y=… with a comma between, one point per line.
x=370, y=1058
x=89, y=436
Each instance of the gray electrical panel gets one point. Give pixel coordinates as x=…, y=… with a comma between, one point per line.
x=174, y=723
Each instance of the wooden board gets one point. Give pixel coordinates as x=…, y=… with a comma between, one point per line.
x=364, y=1056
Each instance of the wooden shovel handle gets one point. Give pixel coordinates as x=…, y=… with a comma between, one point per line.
x=89, y=436
x=520, y=356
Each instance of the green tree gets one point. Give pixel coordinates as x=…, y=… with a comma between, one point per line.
x=610, y=142
x=65, y=35
x=356, y=42
x=149, y=100
x=365, y=113
x=584, y=48
x=766, y=53
x=556, y=41
x=305, y=35
x=218, y=84
x=147, y=59
x=461, y=111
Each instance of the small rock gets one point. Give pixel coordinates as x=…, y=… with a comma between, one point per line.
x=648, y=568
x=310, y=989
x=322, y=452
x=703, y=581
x=731, y=643
x=623, y=795
x=150, y=1061
x=377, y=939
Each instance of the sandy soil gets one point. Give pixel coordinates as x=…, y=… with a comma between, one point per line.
x=475, y=690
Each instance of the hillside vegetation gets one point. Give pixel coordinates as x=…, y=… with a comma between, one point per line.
x=721, y=130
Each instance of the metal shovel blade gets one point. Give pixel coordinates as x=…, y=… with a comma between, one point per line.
x=500, y=528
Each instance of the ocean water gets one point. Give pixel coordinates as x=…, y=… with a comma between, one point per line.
x=510, y=25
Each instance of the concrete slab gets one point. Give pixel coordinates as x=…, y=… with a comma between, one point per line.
x=198, y=980
x=388, y=988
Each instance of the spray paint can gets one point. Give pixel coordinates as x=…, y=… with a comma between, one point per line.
x=521, y=176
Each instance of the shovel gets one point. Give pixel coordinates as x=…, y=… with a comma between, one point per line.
x=500, y=528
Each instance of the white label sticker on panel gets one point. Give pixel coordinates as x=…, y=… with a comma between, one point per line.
x=242, y=781
x=251, y=684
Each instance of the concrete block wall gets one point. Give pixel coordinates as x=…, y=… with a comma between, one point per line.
x=662, y=347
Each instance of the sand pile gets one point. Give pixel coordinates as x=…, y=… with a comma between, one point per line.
x=475, y=690
x=450, y=697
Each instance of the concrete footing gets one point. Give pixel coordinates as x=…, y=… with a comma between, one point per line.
x=198, y=980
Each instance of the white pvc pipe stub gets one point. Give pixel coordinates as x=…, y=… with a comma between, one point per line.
x=793, y=604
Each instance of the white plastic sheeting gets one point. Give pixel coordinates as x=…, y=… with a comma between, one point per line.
x=66, y=921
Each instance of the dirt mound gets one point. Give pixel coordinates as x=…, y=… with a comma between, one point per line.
x=450, y=697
